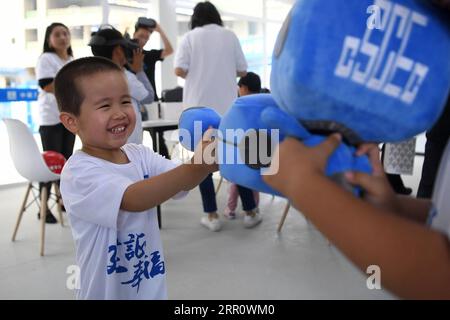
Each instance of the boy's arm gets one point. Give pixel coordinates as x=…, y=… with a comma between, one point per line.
x=414, y=260
x=151, y=192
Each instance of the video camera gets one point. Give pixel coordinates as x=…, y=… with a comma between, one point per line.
x=148, y=23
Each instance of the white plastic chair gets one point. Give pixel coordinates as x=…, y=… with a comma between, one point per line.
x=30, y=164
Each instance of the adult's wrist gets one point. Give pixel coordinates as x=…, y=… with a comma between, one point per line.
x=304, y=185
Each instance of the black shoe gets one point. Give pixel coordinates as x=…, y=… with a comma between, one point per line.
x=405, y=191
x=49, y=217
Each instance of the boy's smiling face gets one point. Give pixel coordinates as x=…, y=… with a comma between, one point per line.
x=107, y=117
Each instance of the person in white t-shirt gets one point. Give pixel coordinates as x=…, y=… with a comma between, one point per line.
x=209, y=58
x=54, y=137
x=109, y=43
x=111, y=188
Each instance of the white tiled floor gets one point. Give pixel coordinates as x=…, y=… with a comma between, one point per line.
x=235, y=263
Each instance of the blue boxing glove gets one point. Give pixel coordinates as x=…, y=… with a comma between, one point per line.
x=194, y=122
x=341, y=160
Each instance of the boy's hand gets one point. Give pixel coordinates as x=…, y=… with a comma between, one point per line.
x=377, y=187
x=205, y=153
x=297, y=163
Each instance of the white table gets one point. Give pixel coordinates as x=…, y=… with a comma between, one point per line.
x=158, y=123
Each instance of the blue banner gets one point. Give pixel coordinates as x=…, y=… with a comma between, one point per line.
x=15, y=94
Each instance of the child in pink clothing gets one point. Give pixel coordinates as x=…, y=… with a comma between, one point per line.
x=249, y=84
x=233, y=194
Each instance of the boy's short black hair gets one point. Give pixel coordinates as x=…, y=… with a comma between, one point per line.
x=251, y=81
x=67, y=92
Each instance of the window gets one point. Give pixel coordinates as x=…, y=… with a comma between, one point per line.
x=249, y=8
x=58, y=4
x=76, y=32
x=253, y=28
x=30, y=5
x=31, y=35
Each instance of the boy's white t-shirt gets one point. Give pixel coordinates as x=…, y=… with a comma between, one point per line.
x=439, y=218
x=48, y=65
x=119, y=253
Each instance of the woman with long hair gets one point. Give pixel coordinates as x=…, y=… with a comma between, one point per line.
x=56, y=53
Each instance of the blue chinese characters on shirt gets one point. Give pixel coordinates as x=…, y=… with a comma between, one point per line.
x=146, y=265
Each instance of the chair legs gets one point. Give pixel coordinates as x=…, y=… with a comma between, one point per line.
x=283, y=217
x=43, y=216
x=59, y=203
x=43, y=211
x=220, y=183
x=286, y=210
x=22, y=210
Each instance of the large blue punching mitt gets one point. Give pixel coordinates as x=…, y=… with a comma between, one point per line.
x=249, y=132
x=193, y=123
x=342, y=159
x=245, y=142
x=371, y=70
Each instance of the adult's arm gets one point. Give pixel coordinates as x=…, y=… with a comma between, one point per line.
x=181, y=73
x=142, y=77
x=168, y=49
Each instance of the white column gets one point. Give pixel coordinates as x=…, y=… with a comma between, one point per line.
x=42, y=20
x=167, y=19
x=105, y=12
x=265, y=81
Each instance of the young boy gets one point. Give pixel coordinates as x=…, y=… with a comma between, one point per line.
x=110, y=188
x=383, y=229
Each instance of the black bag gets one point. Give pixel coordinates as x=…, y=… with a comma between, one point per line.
x=172, y=95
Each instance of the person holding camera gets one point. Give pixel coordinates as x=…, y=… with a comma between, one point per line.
x=143, y=29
